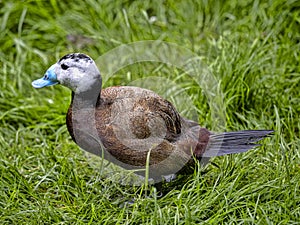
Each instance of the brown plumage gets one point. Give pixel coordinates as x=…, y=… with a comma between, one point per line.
x=125, y=123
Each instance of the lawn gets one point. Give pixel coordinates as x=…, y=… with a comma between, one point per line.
x=250, y=48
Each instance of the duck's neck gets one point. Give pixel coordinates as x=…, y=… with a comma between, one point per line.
x=88, y=98
x=83, y=119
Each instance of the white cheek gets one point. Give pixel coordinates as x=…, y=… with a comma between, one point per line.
x=76, y=80
x=69, y=78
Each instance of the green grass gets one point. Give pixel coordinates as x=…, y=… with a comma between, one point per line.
x=253, y=49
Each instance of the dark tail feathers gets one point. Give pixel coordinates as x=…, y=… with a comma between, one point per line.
x=234, y=142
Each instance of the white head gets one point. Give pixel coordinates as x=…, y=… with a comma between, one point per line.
x=76, y=71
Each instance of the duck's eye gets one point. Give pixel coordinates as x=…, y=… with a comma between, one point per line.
x=64, y=66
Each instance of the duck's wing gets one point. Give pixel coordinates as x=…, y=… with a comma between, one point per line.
x=142, y=113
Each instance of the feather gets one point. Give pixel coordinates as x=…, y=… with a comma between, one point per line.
x=234, y=142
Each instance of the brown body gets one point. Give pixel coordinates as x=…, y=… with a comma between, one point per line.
x=130, y=121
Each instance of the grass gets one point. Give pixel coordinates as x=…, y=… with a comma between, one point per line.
x=251, y=47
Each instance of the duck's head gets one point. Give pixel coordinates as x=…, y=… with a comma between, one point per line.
x=76, y=71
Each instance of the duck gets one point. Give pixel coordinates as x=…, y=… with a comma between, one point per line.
x=135, y=128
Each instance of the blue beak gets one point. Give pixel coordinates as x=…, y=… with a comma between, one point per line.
x=48, y=79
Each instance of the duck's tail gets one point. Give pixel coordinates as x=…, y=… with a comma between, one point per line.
x=232, y=142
